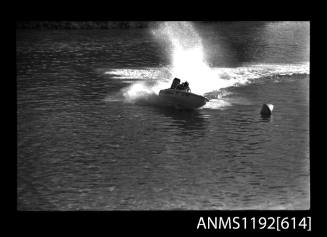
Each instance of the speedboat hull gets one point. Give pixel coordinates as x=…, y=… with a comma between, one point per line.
x=182, y=99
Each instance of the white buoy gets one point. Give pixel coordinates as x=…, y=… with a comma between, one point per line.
x=267, y=109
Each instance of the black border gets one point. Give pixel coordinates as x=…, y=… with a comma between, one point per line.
x=162, y=11
x=145, y=221
x=160, y=221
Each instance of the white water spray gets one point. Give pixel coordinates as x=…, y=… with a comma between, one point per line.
x=185, y=50
x=188, y=61
x=184, y=46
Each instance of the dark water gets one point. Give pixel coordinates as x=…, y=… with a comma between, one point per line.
x=79, y=150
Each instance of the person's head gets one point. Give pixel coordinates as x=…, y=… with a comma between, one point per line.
x=177, y=79
x=186, y=83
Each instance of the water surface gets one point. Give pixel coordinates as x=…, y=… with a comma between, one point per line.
x=82, y=147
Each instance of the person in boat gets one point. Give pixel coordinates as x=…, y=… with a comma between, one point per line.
x=176, y=83
x=178, y=86
x=184, y=87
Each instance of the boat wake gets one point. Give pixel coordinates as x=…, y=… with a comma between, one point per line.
x=144, y=84
x=184, y=47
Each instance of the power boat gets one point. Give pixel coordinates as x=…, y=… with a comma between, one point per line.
x=179, y=96
x=182, y=99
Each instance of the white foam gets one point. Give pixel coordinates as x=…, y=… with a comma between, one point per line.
x=155, y=73
x=216, y=104
x=188, y=62
x=219, y=78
